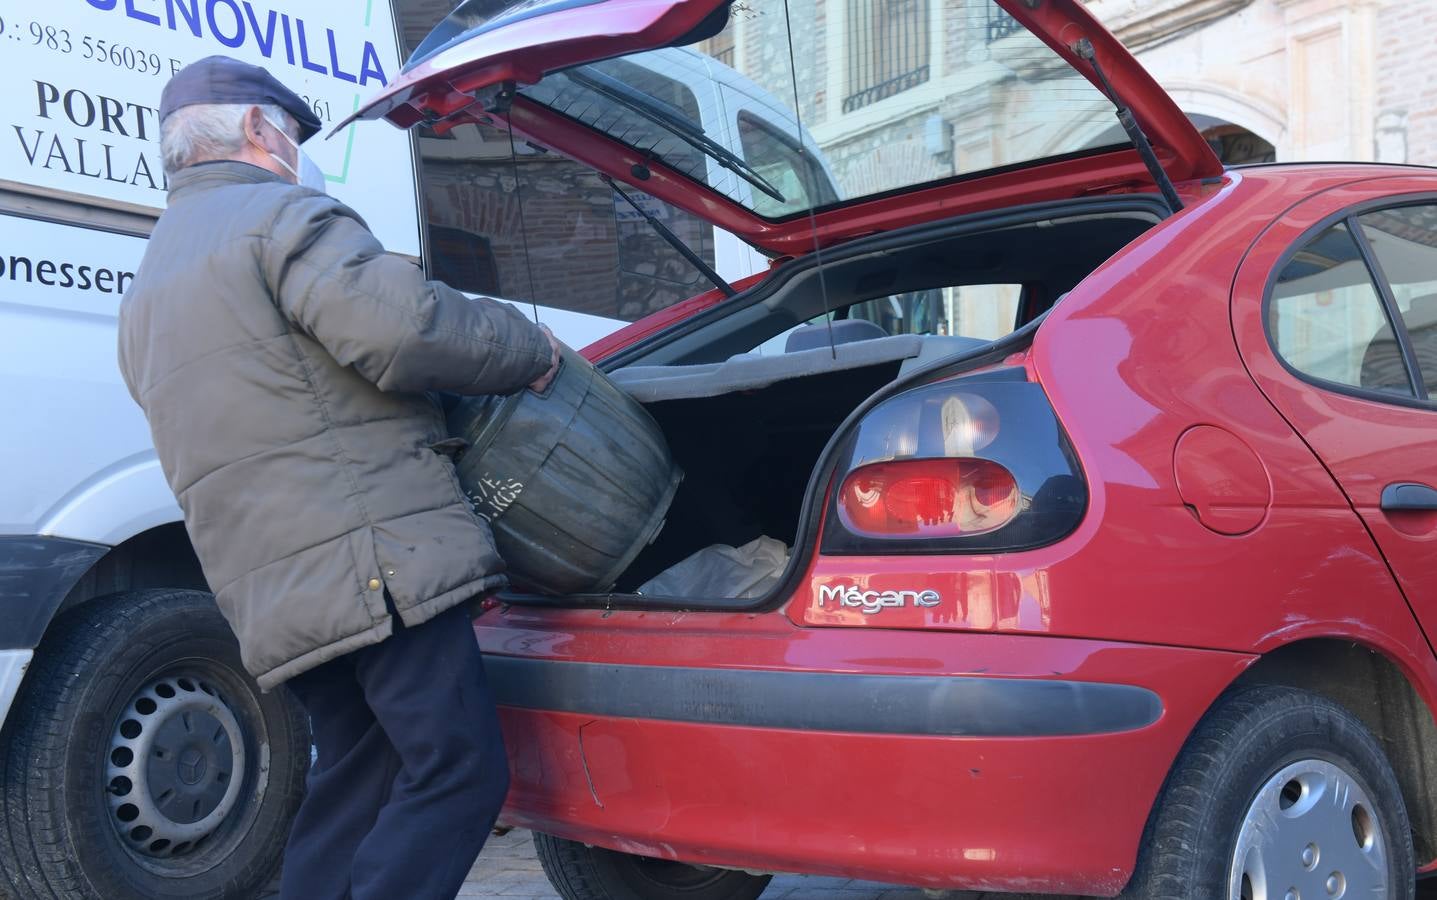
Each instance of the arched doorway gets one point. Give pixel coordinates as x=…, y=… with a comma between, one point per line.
x=1235, y=145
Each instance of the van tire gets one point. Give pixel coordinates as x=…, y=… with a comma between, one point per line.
x=580, y=872
x=95, y=679
x=1242, y=750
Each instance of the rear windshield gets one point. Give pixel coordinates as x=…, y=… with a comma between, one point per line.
x=953, y=87
x=888, y=94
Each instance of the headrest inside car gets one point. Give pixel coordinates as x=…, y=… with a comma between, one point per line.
x=845, y=331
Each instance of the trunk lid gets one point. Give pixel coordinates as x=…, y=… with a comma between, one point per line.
x=593, y=80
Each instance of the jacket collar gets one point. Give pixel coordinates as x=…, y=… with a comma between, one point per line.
x=217, y=173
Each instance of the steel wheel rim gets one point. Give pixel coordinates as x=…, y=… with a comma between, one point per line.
x=175, y=767
x=1310, y=833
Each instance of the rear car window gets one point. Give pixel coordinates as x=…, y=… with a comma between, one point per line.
x=981, y=311
x=985, y=311
x=965, y=88
x=1327, y=321
x=1404, y=243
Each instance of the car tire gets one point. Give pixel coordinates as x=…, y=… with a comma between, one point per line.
x=139, y=760
x=1271, y=766
x=580, y=872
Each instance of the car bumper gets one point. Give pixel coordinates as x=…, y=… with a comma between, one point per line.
x=971, y=761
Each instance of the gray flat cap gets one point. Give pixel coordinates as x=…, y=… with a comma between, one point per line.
x=222, y=79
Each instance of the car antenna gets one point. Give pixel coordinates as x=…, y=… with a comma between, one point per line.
x=812, y=217
x=673, y=240
x=1085, y=50
x=502, y=104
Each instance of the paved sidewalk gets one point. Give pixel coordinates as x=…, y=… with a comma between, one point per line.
x=509, y=869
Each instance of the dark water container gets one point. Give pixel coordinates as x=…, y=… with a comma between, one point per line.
x=574, y=482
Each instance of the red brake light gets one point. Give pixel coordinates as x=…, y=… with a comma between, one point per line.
x=928, y=498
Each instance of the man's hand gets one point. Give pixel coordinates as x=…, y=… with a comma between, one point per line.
x=542, y=382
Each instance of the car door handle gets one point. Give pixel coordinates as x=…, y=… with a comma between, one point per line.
x=1408, y=496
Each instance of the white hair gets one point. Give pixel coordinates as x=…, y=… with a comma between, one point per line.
x=206, y=131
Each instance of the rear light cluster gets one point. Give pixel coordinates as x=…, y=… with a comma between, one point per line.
x=974, y=464
x=928, y=498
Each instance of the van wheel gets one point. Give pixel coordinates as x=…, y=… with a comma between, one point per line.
x=1278, y=793
x=141, y=761
x=578, y=872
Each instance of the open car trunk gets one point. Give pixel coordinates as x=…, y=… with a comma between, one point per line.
x=750, y=396
x=747, y=434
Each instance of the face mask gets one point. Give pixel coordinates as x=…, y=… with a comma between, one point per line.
x=309, y=174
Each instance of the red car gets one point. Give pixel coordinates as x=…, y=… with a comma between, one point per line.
x=1134, y=599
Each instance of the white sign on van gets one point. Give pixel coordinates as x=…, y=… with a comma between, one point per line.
x=44, y=266
x=82, y=82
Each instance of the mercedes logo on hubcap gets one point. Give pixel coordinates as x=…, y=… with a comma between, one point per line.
x=191, y=766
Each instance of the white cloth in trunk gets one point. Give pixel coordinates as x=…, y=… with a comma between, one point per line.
x=723, y=571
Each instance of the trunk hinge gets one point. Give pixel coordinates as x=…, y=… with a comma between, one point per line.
x=1084, y=49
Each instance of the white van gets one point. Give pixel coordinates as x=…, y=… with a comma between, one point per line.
x=136, y=757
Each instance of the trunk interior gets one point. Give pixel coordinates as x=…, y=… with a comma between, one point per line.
x=748, y=399
x=746, y=458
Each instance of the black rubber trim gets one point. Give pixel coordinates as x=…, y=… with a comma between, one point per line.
x=35, y=575
x=923, y=705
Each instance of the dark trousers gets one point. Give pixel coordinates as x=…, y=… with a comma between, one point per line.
x=410, y=772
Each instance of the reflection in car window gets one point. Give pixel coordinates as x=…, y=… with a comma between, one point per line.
x=577, y=243
x=1404, y=240
x=1327, y=321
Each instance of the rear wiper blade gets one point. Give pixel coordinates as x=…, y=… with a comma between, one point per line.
x=673, y=121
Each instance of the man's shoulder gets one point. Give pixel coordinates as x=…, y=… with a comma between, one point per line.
x=298, y=205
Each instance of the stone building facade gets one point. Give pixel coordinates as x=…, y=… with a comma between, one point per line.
x=1264, y=79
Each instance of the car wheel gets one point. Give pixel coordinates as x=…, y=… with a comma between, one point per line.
x=1279, y=793
x=141, y=761
x=579, y=872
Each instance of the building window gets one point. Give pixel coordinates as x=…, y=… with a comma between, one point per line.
x=1000, y=24
x=887, y=49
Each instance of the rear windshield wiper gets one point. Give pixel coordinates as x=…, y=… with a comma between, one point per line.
x=673, y=121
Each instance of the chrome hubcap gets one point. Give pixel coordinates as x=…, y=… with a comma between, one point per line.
x=1311, y=833
x=175, y=766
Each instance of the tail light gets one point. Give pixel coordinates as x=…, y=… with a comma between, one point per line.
x=928, y=498
x=973, y=464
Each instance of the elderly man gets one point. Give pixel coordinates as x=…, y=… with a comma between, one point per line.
x=284, y=362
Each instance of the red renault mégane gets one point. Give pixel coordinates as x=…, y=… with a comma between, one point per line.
x=1131, y=594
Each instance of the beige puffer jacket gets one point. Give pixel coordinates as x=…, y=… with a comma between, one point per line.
x=282, y=359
